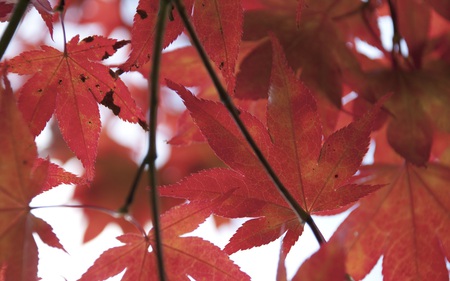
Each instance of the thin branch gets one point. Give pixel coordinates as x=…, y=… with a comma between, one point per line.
x=19, y=11
x=152, y=155
x=226, y=100
x=112, y=213
x=130, y=198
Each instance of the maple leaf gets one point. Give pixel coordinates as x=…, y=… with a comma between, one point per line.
x=307, y=47
x=317, y=176
x=143, y=32
x=417, y=107
x=45, y=10
x=22, y=177
x=183, y=256
x=71, y=83
x=219, y=27
x=406, y=222
x=417, y=79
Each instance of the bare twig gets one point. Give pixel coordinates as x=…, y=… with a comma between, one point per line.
x=130, y=198
x=152, y=154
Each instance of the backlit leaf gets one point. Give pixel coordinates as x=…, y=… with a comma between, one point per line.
x=137, y=256
x=317, y=176
x=407, y=222
x=71, y=84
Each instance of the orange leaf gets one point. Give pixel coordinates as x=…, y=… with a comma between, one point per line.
x=22, y=177
x=406, y=222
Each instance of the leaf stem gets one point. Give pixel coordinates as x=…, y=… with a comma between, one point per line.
x=112, y=213
x=153, y=114
x=19, y=11
x=60, y=9
x=130, y=198
x=226, y=100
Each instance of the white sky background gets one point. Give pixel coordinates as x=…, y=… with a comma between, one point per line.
x=260, y=263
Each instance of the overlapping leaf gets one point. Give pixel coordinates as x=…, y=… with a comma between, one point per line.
x=183, y=256
x=318, y=176
x=417, y=107
x=42, y=6
x=219, y=27
x=406, y=222
x=71, y=83
x=22, y=177
x=143, y=32
x=317, y=46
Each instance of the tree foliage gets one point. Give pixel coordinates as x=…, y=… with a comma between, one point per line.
x=282, y=102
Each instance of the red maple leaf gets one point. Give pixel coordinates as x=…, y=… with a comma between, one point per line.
x=23, y=177
x=318, y=176
x=183, y=256
x=406, y=222
x=71, y=84
x=219, y=27
x=143, y=33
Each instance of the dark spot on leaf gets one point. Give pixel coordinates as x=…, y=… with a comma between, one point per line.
x=221, y=65
x=83, y=78
x=108, y=101
x=120, y=44
x=60, y=82
x=336, y=176
x=112, y=73
x=24, y=162
x=88, y=39
x=90, y=122
x=105, y=56
x=39, y=90
x=97, y=86
x=142, y=14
